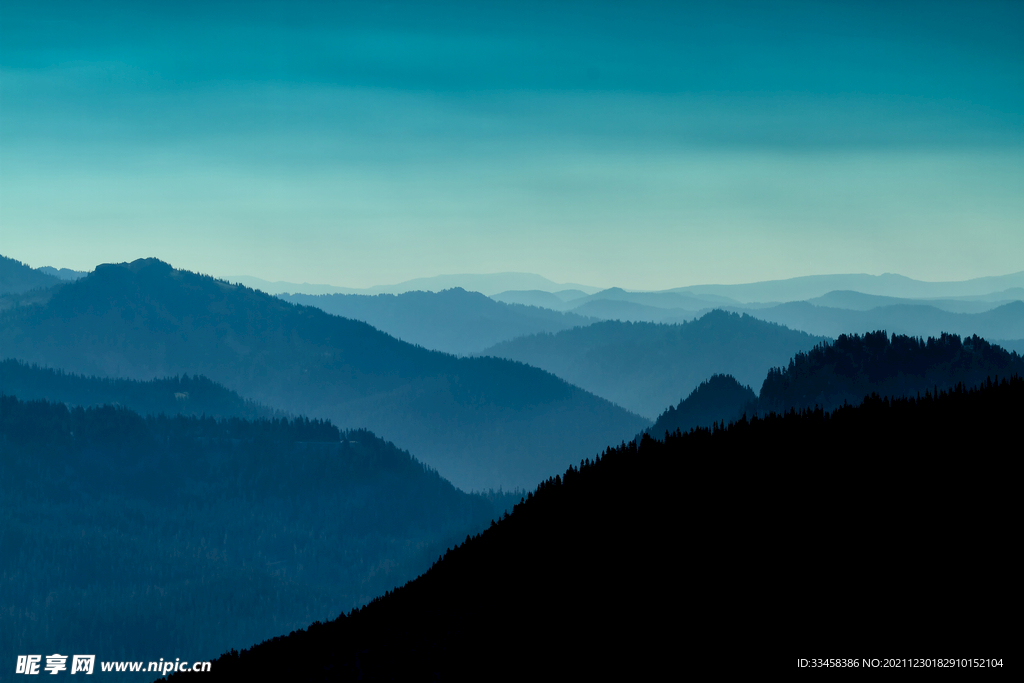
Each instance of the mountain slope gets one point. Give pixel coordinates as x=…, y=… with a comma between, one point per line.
x=888, y=284
x=918, y=320
x=856, y=301
x=17, y=278
x=487, y=284
x=482, y=422
x=646, y=367
x=719, y=399
x=664, y=551
x=126, y=537
x=182, y=395
x=453, y=321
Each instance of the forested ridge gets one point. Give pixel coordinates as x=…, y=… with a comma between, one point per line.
x=133, y=537
x=720, y=398
x=845, y=371
x=453, y=320
x=884, y=527
x=482, y=422
x=853, y=366
x=182, y=394
x=647, y=366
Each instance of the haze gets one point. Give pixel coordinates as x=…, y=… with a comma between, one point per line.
x=648, y=146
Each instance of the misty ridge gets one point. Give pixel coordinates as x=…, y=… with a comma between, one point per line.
x=137, y=372
x=453, y=320
x=483, y=422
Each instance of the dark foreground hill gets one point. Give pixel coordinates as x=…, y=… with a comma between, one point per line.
x=659, y=555
x=135, y=538
x=181, y=395
x=453, y=321
x=482, y=422
x=854, y=366
x=646, y=366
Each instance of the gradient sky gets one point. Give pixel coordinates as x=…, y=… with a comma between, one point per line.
x=643, y=145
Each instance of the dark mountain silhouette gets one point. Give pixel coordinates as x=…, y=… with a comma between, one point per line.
x=482, y=422
x=718, y=399
x=853, y=366
x=623, y=567
x=646, y=367
x=453, y=321
x=17, y=278
x=1003, y=322
x=182, y=395
x=126, y=537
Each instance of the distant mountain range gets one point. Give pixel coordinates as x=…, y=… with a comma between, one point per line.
x=486, y=284
x=482, y=422
x=1005, y=321
x=996, y=314
x=857, y=301
x=453, y=321
x=809, y=287
x=646, y=367
x=63, y=273
x=17, y=278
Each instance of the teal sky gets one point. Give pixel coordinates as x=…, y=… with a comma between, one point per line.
x=646, y=145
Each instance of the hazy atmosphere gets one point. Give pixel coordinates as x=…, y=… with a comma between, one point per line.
x=669, y=144
x=487, y=341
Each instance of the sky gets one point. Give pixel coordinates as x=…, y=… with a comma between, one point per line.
x=640, y=145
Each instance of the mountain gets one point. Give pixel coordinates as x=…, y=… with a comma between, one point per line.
x=63, y=273
x=1012, y=345
x=889, y=284
x=453, y=321
x=857, y=301
x=556, y=301
x=17, y=278
x=853, y=366
x=487, y=284
x=629, y=311
x=670, y=299
x=645, y=367
x=1002, y=322
x=719, y=399
x=129, y=537
x=181, y=395
x=482, y=422
x=662, y=550
x=618, y=304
